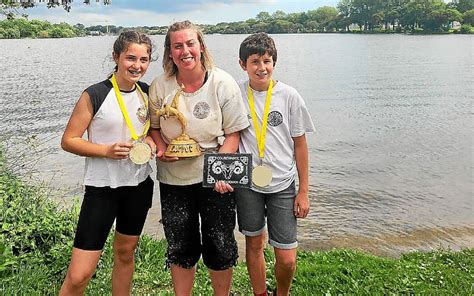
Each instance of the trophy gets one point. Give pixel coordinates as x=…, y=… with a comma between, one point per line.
x=183, y=146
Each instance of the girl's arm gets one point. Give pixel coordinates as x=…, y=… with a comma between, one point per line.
x=73, y=142
x=301, y=206
x=161, y=145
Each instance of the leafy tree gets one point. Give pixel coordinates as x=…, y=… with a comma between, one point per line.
x=297, y=17
x=9, y=8
x=468, y=17
x=464, y=5
x=281, y=26
x=441, y=18
x=263, y=16
x=279, y=14
x=322, y=16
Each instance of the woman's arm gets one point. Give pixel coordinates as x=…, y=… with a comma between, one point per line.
x=73, y=142
x=231, y=143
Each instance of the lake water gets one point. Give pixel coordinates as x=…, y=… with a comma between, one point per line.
x=391, y=162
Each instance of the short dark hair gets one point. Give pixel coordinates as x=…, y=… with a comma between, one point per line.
x=258, y=43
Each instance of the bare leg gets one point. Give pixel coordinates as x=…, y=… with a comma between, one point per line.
x=285, y=267
x=221, y=281
x=82, y=267
x=183, y=280
x=256, y=262
x=124, y=263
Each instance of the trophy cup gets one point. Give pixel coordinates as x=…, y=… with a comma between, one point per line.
x=183, y=146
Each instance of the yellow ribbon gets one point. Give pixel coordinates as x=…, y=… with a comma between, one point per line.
x=260, y=135
x=124, y=110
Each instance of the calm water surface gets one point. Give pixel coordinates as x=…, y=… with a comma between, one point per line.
x=391, y=162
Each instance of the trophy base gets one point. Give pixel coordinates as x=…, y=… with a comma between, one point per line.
x=183, y=147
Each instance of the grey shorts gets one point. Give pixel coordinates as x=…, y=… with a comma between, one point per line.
x=253, y=207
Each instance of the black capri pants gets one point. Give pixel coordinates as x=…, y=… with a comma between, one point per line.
x=181, y=208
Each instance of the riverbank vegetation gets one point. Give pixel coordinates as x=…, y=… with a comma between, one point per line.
x=349, y=16
x=363, y=16
x=23, y=28
x=36, y=239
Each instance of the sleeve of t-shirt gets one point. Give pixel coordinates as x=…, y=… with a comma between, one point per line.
x=234, y=117
x=144, y=86
x=97, y=94
x=300, y=119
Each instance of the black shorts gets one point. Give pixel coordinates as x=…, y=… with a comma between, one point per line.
x=181, y=208
x=128, y=205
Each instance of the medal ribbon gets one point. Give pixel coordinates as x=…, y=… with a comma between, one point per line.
x=260, y=135
x=124, y=110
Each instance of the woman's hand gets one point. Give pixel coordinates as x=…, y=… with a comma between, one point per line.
x=222, y=187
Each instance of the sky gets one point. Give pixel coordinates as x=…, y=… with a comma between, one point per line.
x=165, y=12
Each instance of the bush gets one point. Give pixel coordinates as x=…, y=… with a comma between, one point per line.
x=12, y=33
x=466, y=29
x=34, y=231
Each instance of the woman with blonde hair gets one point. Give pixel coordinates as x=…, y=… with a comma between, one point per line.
x=209, y=99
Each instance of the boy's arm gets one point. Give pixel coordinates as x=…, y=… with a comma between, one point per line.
x=301, y=206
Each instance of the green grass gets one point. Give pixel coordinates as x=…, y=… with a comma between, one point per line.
x=36, y=240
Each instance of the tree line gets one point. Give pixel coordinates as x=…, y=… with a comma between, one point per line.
x=366, y=16
x=360, y=16
x=23, y=28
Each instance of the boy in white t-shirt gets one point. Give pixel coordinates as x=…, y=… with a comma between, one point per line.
x=276, y=139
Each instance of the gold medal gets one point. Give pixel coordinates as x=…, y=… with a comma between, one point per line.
x=261, y=176
x=140, y=153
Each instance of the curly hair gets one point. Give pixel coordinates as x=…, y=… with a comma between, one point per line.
x=258, y=43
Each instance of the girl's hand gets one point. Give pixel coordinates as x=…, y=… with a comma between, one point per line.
x=118, y=150
x=160, y=154
x=222, y=187
x=148, y=140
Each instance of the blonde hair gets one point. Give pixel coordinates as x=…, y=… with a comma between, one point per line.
x=168, y=65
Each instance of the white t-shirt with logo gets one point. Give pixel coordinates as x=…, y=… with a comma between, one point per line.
x=211, y=112
x=288, y=118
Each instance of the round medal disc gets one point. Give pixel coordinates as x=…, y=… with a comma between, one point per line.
x=140, y=153
x=261, y=176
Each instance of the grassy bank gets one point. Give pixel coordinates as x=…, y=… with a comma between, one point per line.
x=36, y=239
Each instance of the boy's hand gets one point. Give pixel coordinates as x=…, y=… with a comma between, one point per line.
x=301, y=206
x=222, y=187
